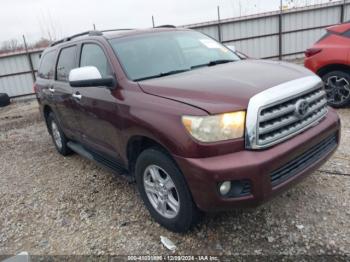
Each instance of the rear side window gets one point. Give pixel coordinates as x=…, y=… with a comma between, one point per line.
x=66, y=62
x=93, y=55
x=47, y=65
x=347, y=34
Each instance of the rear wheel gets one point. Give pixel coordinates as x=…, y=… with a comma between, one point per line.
x=337, y=85
x=59, y=139
x=164, y=191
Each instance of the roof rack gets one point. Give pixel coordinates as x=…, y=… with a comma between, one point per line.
x=113, y=30
x=165, y=26
x=90, y=33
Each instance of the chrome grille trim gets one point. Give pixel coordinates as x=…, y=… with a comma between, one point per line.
x=271, y=115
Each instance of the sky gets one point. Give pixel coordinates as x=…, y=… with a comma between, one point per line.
x=60, y=18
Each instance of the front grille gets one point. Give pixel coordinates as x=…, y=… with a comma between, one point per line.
x=281, y=120
x=303, y=161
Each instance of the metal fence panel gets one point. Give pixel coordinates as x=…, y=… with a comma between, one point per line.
x=35, y=59
x=17, y=85
x=249, y=28
x=16, y=75
x=258, y=47
x=347, y=13
x=311, y=18
x=14, y=64
x=300, y=41
x=210, y=30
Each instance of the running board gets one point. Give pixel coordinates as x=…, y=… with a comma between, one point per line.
x=99, y=159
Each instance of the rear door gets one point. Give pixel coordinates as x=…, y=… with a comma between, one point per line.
x=66, y=107
x=46, y=74
x=99, y=111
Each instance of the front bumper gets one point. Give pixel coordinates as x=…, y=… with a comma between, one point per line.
x=204, y=175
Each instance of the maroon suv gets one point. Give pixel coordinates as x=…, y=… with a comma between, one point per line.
x=198, y=128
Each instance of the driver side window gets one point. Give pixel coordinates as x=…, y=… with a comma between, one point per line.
x=93, y=55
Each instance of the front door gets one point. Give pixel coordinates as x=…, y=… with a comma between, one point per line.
x=99, y=111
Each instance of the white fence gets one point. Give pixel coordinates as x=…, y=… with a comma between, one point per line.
x=17, y=73
x=275, y=35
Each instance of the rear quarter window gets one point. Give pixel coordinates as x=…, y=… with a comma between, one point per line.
x=47, y=65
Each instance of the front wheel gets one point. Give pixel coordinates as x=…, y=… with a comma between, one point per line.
x=337, y=85
x=164, y=191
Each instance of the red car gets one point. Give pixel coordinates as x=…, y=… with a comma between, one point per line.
x=330, y=59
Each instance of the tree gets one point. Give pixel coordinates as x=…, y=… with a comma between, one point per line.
x=11, y=45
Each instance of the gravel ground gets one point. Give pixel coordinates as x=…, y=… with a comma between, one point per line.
x=55, y=205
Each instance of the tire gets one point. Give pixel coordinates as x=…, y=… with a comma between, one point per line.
x=187, y=214
x=4, y=100
x=337, y=84
x=59, y=139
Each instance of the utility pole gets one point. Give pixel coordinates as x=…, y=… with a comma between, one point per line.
x=94, y=26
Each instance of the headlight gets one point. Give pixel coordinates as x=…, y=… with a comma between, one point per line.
x=215, y=128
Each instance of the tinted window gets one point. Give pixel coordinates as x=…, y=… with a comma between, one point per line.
x=93, y=55
x=66, y=62
x=347, y=34
x=47, y=65
x=147, y=56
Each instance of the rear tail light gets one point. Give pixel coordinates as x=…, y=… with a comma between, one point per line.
x=312, y=51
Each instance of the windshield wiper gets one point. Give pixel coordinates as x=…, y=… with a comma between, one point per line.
x=214, y=63
x=172, y=72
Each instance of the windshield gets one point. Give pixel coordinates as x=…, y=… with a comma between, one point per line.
x=165, y=53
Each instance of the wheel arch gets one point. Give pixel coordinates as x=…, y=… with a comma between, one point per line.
x=333, y=67
x=139, y=143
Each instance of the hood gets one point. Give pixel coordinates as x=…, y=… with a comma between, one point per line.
x=226, y=87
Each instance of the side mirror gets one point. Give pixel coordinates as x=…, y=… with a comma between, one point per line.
x=89, y=76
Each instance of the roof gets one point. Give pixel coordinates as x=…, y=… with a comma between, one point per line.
x=340, y=29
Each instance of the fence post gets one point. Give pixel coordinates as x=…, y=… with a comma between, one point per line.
x=342, y=12
x=153, y=24
x=29, y=59
x=219, y=25
x=280, y=33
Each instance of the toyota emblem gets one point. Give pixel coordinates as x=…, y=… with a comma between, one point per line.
x=302, y=108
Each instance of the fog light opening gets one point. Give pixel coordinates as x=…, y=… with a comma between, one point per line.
x=225, y=188
x=237, y=188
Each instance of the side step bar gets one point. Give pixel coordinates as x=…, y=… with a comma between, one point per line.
x=112, y=165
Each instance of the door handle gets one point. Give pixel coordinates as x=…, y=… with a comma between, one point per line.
x=51, y=89
x=77, y=95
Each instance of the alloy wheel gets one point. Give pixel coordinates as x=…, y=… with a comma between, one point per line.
x=56, y=134
x=337, y=89
x=161, y=191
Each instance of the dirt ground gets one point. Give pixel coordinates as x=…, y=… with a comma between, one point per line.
x=55, y=205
